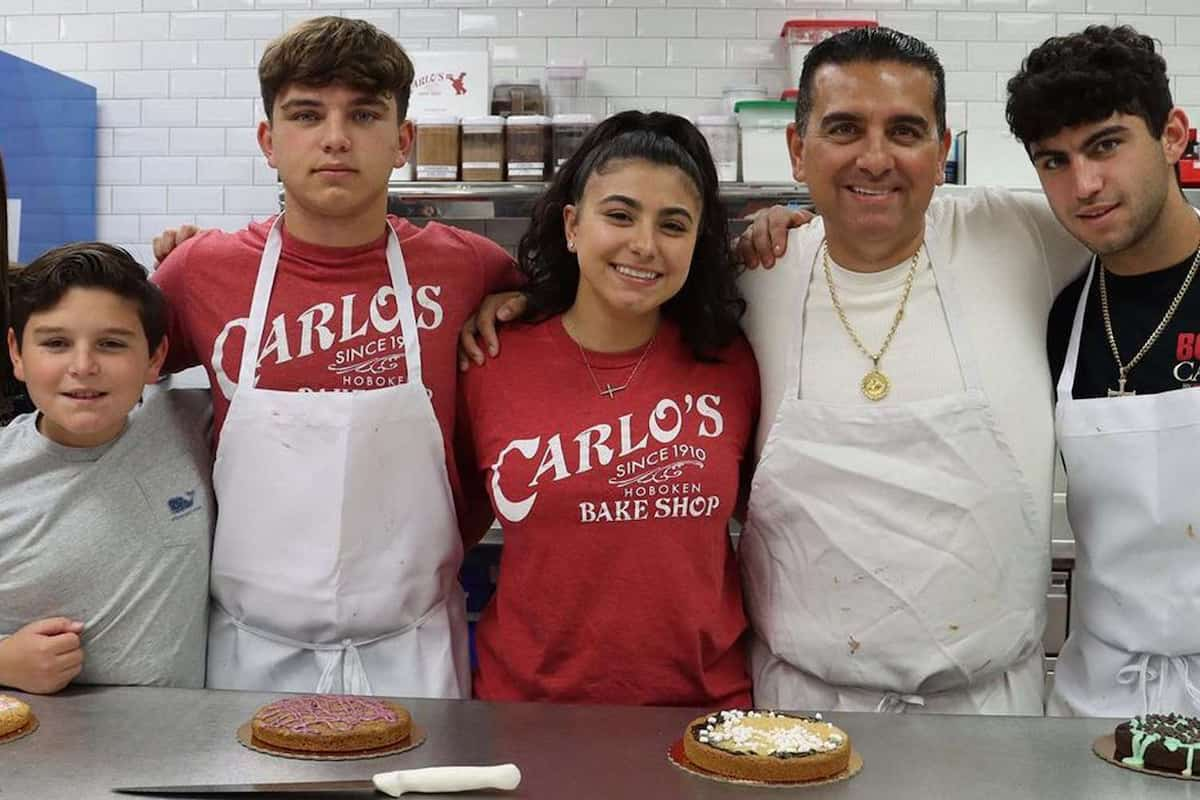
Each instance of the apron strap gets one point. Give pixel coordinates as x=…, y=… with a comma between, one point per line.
x=1066, y=380
x=354, y=673
x=893, y=703
x=265, y=281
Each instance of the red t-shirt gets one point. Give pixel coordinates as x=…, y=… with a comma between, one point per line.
x=618, y=583
x=331, y=322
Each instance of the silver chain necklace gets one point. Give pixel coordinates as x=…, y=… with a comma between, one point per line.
x=1123, y=370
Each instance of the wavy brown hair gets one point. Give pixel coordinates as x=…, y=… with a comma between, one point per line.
x=708, y=306
x=336, y=50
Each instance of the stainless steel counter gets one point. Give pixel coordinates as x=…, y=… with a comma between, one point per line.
x=94, y=739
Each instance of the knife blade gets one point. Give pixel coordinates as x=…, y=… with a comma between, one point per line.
x=428, y=779
x=366, y=788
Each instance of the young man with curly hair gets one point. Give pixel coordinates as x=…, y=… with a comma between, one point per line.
x=1095, y=113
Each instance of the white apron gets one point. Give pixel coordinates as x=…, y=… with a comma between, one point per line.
x=893, y=559
x=336, y=551
x=1134, y=505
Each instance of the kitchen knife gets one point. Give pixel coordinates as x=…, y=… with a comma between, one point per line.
x=429, y=779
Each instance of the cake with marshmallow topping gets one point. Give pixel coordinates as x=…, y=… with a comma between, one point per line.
x=766, y=746
x=331, y=723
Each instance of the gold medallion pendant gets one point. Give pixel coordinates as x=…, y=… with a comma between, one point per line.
x=875, y=385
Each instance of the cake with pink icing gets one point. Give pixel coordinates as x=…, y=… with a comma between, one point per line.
x=331, y=723
x=14, y=714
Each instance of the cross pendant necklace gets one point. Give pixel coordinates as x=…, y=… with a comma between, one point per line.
x=1120, y=390
x=609, y=390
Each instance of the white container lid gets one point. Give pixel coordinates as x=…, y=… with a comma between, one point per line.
x=574, y=119
x=715, y=120
x=436, y=119
x=483, y=122
x=528, y=119
x=749, y=90
x=566, y=72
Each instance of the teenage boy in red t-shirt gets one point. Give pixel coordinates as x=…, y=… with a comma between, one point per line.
x=329, y=338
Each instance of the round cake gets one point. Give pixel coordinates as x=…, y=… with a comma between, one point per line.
x=766, y=746
x=1165, y=742
x=331, y=723
x=14, y=714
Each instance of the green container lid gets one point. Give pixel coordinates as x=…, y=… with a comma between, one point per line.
x=782, y=106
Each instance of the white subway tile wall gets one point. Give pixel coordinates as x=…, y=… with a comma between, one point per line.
x=179, y=102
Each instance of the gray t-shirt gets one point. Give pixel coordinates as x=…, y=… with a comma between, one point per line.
x=117, y=537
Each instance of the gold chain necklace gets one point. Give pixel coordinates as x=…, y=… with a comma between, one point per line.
x=1123, y=370
x=609, y=390
x=875, y=385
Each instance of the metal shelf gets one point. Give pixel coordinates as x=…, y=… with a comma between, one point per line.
x=488, y=201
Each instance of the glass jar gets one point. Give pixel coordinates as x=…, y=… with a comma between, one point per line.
x=569, y=132
x=483, y=148
x=437, y=148
x=528, y=140
x=721, y=133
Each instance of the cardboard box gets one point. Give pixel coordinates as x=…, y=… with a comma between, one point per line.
x=455, y=83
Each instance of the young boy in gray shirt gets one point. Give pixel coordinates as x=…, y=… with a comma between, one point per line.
x=106, y=509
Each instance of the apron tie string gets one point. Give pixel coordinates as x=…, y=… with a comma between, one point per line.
x=1150, y=668
x=353, y=673
x=893, y=703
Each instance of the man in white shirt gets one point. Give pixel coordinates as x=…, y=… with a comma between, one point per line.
x=896, y=552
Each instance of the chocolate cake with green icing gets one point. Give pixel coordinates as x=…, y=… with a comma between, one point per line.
x=1163, y=742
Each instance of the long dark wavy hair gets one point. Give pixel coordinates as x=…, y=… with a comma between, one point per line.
x=708, y=306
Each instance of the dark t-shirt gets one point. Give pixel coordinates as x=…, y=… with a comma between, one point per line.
x=1136, y=304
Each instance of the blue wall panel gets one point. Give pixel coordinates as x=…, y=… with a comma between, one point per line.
x=48, y=140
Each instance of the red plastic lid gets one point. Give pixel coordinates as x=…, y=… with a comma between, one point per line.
x=827, y=23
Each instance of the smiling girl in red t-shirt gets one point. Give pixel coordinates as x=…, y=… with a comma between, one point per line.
x=611, y=435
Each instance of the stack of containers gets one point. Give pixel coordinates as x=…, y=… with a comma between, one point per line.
x=721, y=132
x=569, y=132
x=437, y=148
x=763, y=124
x=529, y=147
x=483, y=148
x=801, y=35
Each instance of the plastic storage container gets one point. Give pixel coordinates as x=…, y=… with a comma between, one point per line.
x=721, y=132
x=528, y=143
x=483, y=148
x=569, y=130
x=564, y=87
x=799, y=36
x=763, y=124
x=437, y=148
x=730, y=95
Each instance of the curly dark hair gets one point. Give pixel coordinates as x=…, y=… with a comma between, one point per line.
x=1088, y=77
x=708, y=307
x=87, y=265
x=871, y=45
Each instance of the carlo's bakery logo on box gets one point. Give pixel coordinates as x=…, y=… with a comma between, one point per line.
x=449, y=83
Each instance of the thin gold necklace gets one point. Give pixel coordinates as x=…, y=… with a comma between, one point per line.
x=1123, y=370
x=609, y=390
x=875, y=385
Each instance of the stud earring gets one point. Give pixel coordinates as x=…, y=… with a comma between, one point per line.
x=571, y=245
